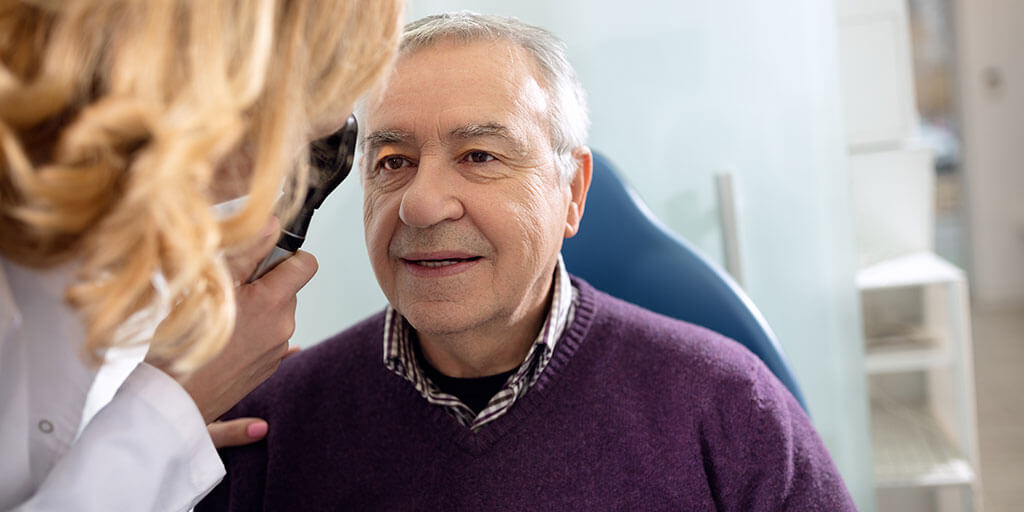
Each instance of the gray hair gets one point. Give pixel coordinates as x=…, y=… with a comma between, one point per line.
x=568, y=113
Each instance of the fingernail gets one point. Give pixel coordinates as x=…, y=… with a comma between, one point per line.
x=256, y=430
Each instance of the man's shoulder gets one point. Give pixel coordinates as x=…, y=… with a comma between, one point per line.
x=673, y=351
x=661, y=337
x=749, y=424
x=695, y=369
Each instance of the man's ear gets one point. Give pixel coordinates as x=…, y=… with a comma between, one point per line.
x=578, y=187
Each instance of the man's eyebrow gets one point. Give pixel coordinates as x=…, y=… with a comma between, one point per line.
x=471, y=131
x=384, y=137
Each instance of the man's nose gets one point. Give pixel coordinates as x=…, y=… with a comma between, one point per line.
x=432, y=197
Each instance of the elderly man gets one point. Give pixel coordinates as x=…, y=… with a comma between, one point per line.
x=494, y=380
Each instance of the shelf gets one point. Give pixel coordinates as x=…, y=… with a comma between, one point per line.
x=913, y=350
x=915, y=269
x=910, y=450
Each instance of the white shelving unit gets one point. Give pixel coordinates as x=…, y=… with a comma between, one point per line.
x=910, y=451
x=919, y=365
x=918, y=357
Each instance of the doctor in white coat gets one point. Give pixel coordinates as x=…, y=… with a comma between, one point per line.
x=121, y=124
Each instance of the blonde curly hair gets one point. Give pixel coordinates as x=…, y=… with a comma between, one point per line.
x=123, y=121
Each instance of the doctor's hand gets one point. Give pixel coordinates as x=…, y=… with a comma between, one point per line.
x=264, y=323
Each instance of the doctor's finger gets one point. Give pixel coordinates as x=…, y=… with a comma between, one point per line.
x=237, y=432
x=289, y=276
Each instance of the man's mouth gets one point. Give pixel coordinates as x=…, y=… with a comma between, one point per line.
x=436, y=263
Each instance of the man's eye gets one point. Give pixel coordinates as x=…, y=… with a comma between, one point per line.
x=392, y=163
x=479, y=157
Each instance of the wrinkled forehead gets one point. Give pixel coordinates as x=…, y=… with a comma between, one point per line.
x=437, y=89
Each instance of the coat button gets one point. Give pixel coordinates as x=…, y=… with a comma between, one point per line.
x=45, y=426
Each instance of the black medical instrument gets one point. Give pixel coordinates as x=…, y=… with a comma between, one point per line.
x=330, y=160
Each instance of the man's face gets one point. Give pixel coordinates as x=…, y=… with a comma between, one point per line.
x=463, y=208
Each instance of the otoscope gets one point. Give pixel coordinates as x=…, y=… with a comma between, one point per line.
x=330, y=161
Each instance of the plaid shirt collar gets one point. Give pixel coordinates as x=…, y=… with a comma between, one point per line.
x=400, y=357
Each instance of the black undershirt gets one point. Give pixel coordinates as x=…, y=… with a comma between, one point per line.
x=475, y=392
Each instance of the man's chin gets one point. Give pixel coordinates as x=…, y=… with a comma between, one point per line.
x=438, y=319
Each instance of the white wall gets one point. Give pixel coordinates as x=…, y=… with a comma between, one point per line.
x=678, y=91
x=990, y=42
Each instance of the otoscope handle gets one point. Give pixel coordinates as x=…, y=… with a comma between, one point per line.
x=286, y=246
x=331, y=159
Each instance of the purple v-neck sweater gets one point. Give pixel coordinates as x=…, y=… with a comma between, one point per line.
x=635, y=411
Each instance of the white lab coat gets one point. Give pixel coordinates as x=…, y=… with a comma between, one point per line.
x=147, y=449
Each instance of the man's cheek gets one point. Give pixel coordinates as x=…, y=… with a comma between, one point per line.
x=376, y=208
